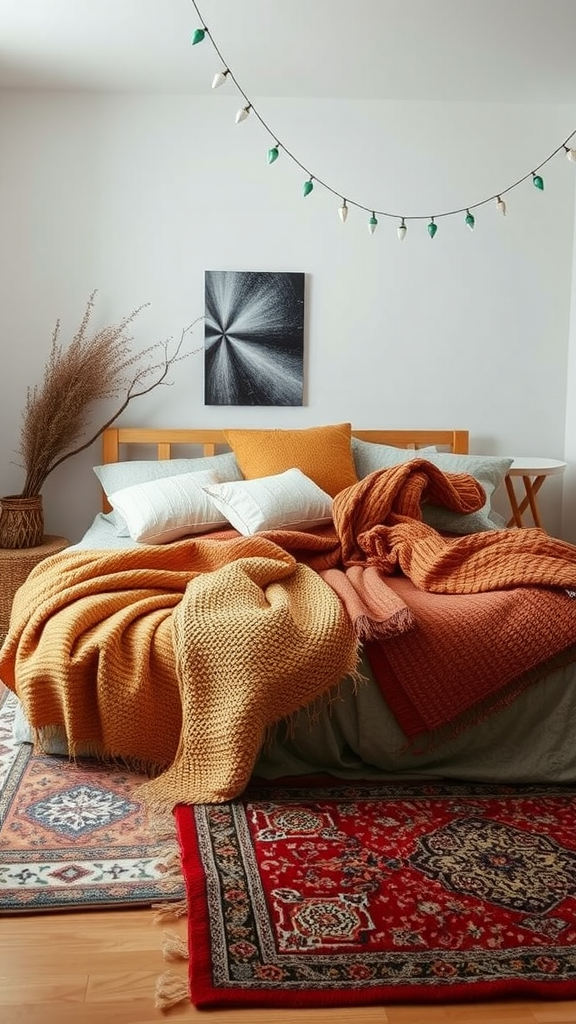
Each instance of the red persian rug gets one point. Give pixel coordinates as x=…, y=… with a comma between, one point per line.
x=76, y=835
x=376, y=893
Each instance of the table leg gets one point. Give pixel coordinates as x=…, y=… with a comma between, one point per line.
x=531, y=488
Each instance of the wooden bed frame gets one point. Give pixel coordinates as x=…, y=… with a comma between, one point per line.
x=115, y=441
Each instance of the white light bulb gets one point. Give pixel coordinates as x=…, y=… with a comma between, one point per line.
x=571, y=155
x=372, y=224
x=219, y=79
x=401, y=230
x=501, y=206
x=242, y=114
x=343, y=211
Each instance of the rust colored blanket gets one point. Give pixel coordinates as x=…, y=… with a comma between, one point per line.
x=177, y=657
x=378, y=522
x=489, y=608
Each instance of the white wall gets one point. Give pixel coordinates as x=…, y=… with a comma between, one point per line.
x=138, y=196
x=568, y=518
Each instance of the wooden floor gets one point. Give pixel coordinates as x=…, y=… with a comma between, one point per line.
x=101, y=968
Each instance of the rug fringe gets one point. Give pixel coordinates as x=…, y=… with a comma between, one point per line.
x=165, y=911
x=174, y=947
x=170, y=991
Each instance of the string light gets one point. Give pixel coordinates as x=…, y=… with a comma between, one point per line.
x=219, y=78
x=537, y=180
x=242, y=114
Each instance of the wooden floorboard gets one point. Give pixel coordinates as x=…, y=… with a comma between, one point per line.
x=101, y=967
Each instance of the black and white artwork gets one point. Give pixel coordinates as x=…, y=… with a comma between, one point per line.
x=253, y=338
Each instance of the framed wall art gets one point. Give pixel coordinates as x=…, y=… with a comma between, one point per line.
x=253, y=338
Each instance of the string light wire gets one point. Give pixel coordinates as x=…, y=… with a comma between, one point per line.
x=346, y=202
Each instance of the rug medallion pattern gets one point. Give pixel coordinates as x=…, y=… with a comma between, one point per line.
x=399, y=888
x=75, y=835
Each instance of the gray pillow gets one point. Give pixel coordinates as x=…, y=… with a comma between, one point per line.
x=489, y=470
x=116, y=475
x=369, y=456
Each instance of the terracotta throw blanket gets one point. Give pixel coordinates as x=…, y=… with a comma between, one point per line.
x=490, y=609
x=378, y=522
x=177, y=657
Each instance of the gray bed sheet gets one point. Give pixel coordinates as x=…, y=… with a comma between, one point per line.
x=357, y=737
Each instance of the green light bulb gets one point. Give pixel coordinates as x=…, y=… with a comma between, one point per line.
x=470, y=220
x=198, y=36
x=538, y=181
x=307, y=187
x=273, y=154
x=432, y=228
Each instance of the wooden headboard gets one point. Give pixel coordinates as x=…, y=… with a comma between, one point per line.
x=115, y=441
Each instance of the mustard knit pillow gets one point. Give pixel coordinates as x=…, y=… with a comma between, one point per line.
x=322, y=453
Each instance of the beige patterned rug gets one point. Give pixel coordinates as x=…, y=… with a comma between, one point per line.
x=75, y=835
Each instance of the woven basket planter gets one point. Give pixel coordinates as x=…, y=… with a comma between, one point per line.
x=21, y=521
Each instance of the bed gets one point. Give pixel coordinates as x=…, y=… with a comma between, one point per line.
x=303, y=620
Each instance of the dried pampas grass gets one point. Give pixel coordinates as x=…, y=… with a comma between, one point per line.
x=92, y=368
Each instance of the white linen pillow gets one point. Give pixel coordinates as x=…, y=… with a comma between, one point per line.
x=115, y=476
x=159, y=511
x=289, y=501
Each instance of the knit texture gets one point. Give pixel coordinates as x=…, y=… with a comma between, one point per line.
x=177, y=656
x=250, y=650
x=470, y=654
x=491, y=608
x=379, y=523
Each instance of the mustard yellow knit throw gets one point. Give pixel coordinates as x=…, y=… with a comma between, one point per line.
x=254, y=643
x=176, y=657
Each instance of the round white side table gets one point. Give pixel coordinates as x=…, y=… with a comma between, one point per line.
x=533, y=472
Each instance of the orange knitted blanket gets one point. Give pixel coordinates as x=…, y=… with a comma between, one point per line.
x=176, y=657
x=491, y=609
x=379, y=522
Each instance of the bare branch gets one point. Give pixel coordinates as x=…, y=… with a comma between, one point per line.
x=91, y=369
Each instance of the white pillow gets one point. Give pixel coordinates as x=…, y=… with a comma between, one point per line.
x=288, y=501
x=159, y=511
x=115, y=476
